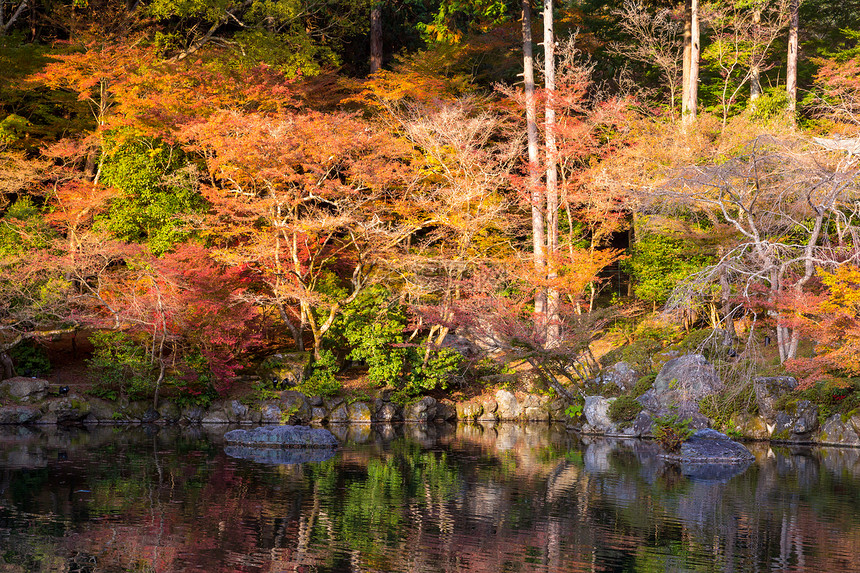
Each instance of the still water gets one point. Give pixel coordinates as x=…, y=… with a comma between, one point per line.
x=415, y=499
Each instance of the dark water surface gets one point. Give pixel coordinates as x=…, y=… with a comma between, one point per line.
x=413, y=498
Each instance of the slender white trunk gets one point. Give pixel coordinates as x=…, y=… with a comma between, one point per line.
x=537, y=197
x=791, y=68
x=755, y=71
x=553, y=334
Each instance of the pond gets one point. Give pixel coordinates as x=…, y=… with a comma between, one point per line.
x=415, y=499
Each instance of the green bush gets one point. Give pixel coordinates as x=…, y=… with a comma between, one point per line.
x=672, y=432
x=322, y=381
x=659, y=260
x=121, y=366
x=374, y=330
x=644, y=384
x=624, y=410
x=22, y=229
x=30, y=360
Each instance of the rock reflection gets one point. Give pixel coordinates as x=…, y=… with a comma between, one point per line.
x=417, y=497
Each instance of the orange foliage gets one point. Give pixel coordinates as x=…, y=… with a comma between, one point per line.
x=832, y=320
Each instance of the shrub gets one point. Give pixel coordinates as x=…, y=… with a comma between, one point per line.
x=644, y=384
x=322, y=381
x=672, y=432
x=121, y=366
x=624, y=409
x=30, y=360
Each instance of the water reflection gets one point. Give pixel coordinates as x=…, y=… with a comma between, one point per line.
x=415, y=498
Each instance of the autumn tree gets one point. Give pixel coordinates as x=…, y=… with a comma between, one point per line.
x=301, y=197
x=692, y=52
x=741, y=38
x=10, y=14
x=459, y=209
x=792, y=211
x=656, y=40
x=830, y=318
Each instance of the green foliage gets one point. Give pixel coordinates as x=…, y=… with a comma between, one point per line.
x=11, y=128
x=120, y=365
x=262, y=391
x=156, y=191
x=722, y=408
x=23, y=229
x=833, y=396
x=322, y=381
x=30, y=360
x=644, y=384
x=672, y=432
x=771, y=104
x=193, y=384
x=659, y=261
x=374, y=331
x=574, y=411
x=624, y=410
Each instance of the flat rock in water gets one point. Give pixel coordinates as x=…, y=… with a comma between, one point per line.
x=709, y=446
x=284, y=437
x=280, y=456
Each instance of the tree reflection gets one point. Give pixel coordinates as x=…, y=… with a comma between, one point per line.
x=474, y=498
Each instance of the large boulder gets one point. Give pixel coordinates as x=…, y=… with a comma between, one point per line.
x=71, y=409
x=489, y=407
x=23, y=389
x=445, y=410
x=534, y=408
x=708, y=446
x=169, y=412
x=193, y=414
x=19, y=414
x=686, y=379
x=424, y=410
x=596, y=412
x=796, y=424
x=283, y=436
x=461, y=345
x=621, y=374
x=468, y=410
x=270, y=413
x=359, y=413
x=386, y=412
x=295, y=407
x=339, y=415
x=769, y=389
x=838, y=433
x=657, y=406
x=508, y=408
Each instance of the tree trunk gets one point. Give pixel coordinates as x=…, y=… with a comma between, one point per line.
x=553, y=333
x=8, y=368
x=375, y=36
x=538, y=237
x=693, y=92
x=685, y=79
x=755, y=72
x=791, y=68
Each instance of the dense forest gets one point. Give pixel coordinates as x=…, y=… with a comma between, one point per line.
x=197, y=184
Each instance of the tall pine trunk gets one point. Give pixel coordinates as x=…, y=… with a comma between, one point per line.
x=375, y=36
x=553, y=320
x=537, y=197
x=791, y=68
x=691, y=63
x=755, y=71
